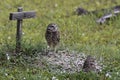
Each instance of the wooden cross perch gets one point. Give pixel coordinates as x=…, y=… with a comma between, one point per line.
x=19, y=16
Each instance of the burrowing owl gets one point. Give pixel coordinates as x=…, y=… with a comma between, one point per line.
x=52, y=35
x=89, y=64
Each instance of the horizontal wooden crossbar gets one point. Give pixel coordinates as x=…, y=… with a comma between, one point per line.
x=22, y=15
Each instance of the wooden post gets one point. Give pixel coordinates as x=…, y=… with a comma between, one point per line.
x=19, y=16
x=19, y=32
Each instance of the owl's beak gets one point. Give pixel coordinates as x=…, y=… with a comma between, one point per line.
x=49, y=29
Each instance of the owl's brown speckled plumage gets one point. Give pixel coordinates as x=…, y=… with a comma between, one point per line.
x=89, y=64
x=52, y=35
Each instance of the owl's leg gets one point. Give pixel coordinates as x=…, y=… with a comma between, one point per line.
x=55, y=49
x=50, y=48
x=47, y=50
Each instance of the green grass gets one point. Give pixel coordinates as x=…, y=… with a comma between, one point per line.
x=79, y=33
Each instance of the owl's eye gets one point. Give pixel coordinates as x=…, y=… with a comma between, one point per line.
x=52, y=26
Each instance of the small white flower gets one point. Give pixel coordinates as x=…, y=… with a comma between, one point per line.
x=83, y=34
x=23, y=33
x=6, y=74
x=56, y=5
x=117, y=73
x=24, y=78
x=54, y=78
x=8, y=57
x=9, y=37
x=108, y=75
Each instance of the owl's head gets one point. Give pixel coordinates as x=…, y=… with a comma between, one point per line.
x=52, y=27
x=81, y=11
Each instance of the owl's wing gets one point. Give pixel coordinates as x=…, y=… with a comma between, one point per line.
x=58, y=36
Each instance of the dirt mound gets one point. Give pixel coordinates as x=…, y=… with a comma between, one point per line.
x=65, y=61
